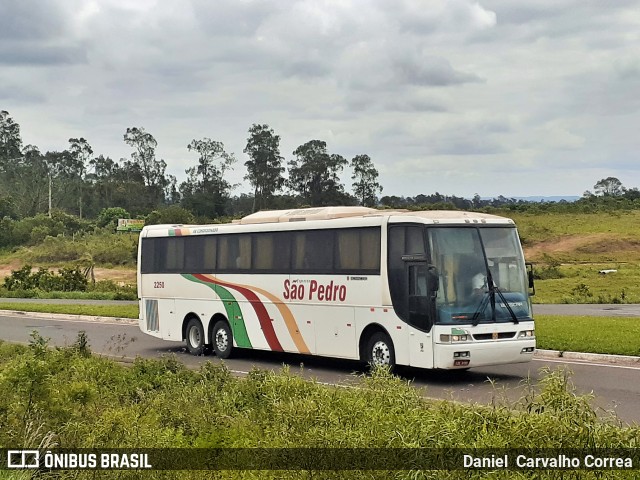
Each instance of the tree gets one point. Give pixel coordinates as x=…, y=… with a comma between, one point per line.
x=170, y=215
x=206, y=192
x=81, y=151
x=264, y=169
x=609, y=186
x=366, y=185
x=314, y=174
x=10, y=140
x=151, y=169
x=67, y=170
x=28, y=178
x=10, y=152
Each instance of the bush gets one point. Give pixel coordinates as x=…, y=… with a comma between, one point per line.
x=170, y=215
x=108, y=217
x=68, y=279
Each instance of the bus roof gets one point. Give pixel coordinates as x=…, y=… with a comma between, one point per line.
x=306, y=214
x=328, y=213
x=316, y=217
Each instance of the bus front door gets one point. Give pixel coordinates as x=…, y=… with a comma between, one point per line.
x=420, y=318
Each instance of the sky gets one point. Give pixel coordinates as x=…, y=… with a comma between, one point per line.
x=496, y=97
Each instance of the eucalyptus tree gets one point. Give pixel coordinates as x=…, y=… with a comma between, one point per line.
x=206, y=191
x=10, y=139
x=365, y=176
x=10, y=154
x=81, y=152
x=153, y=170
x=30, y=182
x=313, y=174
x=264, y=167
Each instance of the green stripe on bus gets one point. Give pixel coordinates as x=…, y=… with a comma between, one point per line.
x=234, y=313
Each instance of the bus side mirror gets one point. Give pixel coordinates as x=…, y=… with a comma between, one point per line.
x=532, y=286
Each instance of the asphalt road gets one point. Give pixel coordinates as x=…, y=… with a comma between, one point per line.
x=616, y=388
x=603, y=310
x=598, y=310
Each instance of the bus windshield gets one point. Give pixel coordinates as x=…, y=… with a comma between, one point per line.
x=482, y=275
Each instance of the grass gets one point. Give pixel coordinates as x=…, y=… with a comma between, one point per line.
x=608, y=335
x=538, y=227
x=123, y=311
x=67, y=397
x=123, y=294
x=583, y=284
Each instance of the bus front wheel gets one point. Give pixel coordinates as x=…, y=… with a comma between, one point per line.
x=195, y=337
x=222, y=339
x=380, y=350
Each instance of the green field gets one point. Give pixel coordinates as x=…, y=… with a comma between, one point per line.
x=580, y=283
x=607, y=335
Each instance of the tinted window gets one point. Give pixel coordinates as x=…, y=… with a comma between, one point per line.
x=313, y=251
x=355, y=250
x=403, y=240
x=272, y=252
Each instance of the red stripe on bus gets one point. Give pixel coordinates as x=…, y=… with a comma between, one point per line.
x=261, y=312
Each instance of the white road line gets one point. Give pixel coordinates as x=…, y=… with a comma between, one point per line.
x=573, y=362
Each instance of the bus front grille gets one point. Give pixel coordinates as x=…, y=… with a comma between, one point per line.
x=494, y=336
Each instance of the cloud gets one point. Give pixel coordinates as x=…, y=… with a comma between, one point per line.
x=466, y=86
x=31, y=20
x=28, y=53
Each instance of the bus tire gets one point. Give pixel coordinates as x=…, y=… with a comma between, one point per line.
x=380, y=351
x=222, y=339
x=194, y=335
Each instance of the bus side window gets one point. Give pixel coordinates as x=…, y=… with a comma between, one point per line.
x=418, y=280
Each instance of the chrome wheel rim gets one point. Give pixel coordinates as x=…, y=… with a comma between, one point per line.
x=194, y=337
x=380, y=353
x=222, y=340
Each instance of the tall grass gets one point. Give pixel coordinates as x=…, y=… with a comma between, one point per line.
x=101, y=248
x=80, y=401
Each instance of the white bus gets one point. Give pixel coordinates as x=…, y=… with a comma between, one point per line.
x=430, y=289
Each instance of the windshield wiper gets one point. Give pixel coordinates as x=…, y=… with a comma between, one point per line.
x=492, y=297
x=476, y=315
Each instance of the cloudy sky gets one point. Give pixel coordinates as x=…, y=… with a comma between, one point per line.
x=455, y=96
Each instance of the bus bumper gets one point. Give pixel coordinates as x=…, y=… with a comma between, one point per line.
x=470, y=355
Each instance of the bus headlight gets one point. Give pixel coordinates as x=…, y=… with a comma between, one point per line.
x=526, y=333
x=446, y=338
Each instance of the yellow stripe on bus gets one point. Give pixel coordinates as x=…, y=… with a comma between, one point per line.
x=289, y=320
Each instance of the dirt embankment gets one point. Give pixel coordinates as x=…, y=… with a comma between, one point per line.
x=597, y=246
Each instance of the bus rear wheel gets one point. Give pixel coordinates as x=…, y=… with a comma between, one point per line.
x=195, y=337
x=380, y=351
x=222, y=339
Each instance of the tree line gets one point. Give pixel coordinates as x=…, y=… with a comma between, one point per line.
x=80, y=182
